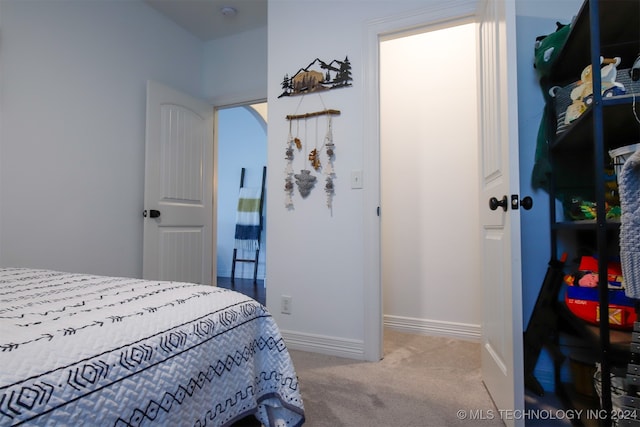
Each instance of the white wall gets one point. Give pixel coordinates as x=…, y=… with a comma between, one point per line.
x=235, y=68
x=429, y=170
x=316, y=256
x=73, y=85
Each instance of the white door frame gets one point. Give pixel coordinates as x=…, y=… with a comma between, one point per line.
x=437, y=15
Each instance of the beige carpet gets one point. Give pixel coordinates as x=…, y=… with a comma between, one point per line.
x=421, y=382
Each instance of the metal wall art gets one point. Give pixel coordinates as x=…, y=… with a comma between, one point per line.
x=318, y=76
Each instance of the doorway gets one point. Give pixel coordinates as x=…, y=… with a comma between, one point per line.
x=430, y=253
x=241, y=143
x=500, y=277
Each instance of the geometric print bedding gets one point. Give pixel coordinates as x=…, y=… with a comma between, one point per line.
x=79, y=349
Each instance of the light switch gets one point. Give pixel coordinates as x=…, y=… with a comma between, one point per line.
x=356, y=179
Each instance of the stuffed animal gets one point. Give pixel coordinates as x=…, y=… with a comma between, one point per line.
x=582, y=94
x=548, y=47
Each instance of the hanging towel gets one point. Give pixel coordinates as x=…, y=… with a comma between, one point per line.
x=629, y=188
x=248, y=219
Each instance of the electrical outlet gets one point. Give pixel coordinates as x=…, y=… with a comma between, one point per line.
x=286, y=304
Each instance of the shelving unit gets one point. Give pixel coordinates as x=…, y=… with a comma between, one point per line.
x=608, y=28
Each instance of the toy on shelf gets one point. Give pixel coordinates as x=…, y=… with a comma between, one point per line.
x=582, y=294
x=582, y=94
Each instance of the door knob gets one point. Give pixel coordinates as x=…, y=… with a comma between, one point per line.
x=526, y=203
x=152, y=213
x=495, y=203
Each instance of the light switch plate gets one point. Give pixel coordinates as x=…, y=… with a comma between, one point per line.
x=356, y=179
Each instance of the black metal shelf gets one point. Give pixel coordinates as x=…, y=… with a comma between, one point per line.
x=579, y=155
x=584, y=225
x=619, y=124
x=619, y=27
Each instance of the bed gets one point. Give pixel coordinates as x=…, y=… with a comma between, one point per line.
x=78, y=349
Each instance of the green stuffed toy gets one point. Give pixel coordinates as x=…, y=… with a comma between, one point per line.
x=548, y=47
x=546, y=51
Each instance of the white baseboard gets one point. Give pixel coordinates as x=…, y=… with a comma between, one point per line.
x=413, y=325
x=341, y=347
x=354, y=349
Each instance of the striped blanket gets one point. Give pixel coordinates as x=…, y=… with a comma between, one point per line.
x=248, y=224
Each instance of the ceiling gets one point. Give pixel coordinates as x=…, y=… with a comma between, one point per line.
x=204, y=18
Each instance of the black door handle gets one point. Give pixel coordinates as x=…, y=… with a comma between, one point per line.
x=495, y=203
x=526, y=203
x=152, y=213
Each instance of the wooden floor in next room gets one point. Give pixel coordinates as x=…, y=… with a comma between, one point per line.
x=256, y=291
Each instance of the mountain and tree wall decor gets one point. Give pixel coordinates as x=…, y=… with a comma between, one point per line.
x=318, y=76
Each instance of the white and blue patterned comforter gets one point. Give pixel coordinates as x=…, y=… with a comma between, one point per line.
x=78, y=349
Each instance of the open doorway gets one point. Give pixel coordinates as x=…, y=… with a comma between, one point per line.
x=241, y=143
x=430, y=258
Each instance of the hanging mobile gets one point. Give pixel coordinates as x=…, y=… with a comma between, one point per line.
x=304, y=180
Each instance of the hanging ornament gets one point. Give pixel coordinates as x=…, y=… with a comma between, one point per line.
x=314, y=158
x=329, y=189
x=288, y=190
x=288, y=170
x=328, y=170
x=305, y=182
x=328, y=140
x=330, y=151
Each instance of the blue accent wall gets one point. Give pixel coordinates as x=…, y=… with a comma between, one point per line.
x=535, y=230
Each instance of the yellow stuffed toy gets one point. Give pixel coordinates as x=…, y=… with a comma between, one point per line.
x=581, y=95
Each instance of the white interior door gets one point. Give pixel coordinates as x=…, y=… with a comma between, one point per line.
x=178, y=194
x=502, y=364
